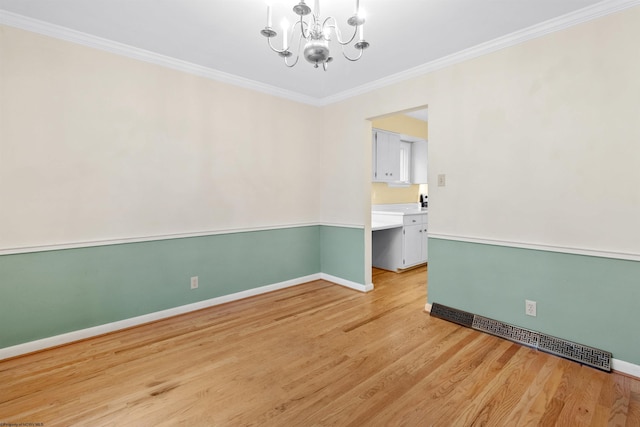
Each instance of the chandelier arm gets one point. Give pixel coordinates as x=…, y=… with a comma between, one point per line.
x=273, y=48
x=303, y=25
x=352, y=59
x=336, y=29
x=297, y=53
x=294, y=62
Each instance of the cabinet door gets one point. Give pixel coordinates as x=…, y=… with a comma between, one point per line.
x=380, y=148
x=419, y=162
x=404, y=175
x=424, y=240
x=393, y=157
x=413, y=238
x=386, y=156
x=374, y=157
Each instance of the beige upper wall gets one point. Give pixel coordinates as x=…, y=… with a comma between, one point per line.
x=97, y=146
x=538, y=141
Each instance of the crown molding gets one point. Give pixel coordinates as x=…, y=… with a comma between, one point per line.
x=580, y=16
x=588, y=13
x=67, y=34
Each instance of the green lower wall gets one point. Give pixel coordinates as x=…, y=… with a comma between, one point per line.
x=342, y=252
x=589, y=300
x=49, y=293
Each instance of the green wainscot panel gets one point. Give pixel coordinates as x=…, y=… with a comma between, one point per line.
x=49, y=293
x=343, y=252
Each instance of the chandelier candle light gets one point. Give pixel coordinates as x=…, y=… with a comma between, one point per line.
x=316, y=35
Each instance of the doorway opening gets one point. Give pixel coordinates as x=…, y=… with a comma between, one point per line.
x=399, y=196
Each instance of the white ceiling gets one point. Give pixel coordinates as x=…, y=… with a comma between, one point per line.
x=224, y=35
x=418, y=114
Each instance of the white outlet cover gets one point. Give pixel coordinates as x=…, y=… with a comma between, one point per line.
x=530, y=308
x=194, y=282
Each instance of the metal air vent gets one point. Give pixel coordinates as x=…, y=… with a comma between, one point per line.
x=452, y=314
x=586, y=355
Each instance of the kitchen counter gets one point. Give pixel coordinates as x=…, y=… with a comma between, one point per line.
x=399, y=238
x=377, y=225
x=398, y=209
x=391, y=216
x=384, y=217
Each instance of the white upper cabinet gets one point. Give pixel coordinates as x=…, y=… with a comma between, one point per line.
x=398, y=158
x=405, y=162
x=386, y=156
x=419, y=162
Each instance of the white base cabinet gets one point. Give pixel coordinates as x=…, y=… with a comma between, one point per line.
x=414, y=240
x=402, y=247
x=387, y=249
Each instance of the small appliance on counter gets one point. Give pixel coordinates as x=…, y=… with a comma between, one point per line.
x=423, y=201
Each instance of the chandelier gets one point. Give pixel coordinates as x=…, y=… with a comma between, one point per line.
x=315, y=34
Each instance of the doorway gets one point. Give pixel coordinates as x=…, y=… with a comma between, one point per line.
x=408, y=194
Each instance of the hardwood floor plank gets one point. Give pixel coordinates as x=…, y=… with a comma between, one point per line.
x=502, y=391
x=633, y=411
x=390, y=384
x=421, y=399
x=314, y=354
x=620, y=406
x=443, y=398
x=535, y=400
x=582, y=397
x=520, y=383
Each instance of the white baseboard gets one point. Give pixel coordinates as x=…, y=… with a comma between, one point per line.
x=625, y=368
x=69, y=337
x=348, y=283
x=29, y=347
x=617, y=365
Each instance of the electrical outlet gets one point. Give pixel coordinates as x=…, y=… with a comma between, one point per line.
x=194, y=282
x=442, y=180
x=530, y=308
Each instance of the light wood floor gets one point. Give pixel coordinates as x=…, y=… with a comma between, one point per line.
x=315, y=354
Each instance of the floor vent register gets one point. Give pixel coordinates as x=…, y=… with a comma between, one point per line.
x=593, y=357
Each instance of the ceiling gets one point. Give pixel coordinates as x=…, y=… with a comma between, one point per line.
x=224, y=35
x=418, y=114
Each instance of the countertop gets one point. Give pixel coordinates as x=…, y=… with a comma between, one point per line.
x=384, y=217
x=399, y=209
x=377, y=226
x=383, y=225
